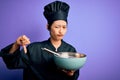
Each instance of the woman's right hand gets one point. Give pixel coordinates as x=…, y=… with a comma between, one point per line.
x=21, y=41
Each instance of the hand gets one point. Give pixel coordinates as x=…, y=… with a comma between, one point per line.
x=69, y=72
x=23, y=41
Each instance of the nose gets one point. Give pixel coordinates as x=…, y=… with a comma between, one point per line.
x=60, y=30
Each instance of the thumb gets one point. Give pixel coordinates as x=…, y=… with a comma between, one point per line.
x=25, y=49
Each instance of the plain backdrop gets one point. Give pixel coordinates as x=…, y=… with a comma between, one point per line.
x=93, y=29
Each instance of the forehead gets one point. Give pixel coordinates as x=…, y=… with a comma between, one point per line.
x=60, y=22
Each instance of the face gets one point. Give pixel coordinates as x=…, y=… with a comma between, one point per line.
x=58, y=29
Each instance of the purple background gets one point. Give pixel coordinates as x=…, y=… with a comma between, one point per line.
x=94, y=29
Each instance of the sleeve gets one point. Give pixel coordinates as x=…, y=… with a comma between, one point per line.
x=76, y=75
x=12, y=61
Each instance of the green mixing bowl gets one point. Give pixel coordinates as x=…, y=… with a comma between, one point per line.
x=70, y=60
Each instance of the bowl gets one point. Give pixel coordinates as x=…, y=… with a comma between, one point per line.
x=70, y=60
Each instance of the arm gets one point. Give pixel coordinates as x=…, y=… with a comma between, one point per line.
x=76, y=75
x=10, y=59
x=12, y=54
x=14, y=48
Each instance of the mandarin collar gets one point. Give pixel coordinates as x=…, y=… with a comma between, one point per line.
x=52, y=47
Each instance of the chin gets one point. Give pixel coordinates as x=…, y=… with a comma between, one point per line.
x=59, y=38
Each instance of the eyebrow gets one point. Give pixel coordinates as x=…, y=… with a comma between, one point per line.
x=61, y=25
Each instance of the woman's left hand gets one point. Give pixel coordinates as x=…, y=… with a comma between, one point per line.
x=69, y=72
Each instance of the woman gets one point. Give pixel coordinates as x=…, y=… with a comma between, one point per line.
x=37, y=63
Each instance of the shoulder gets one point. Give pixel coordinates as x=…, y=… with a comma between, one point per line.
x=69, y=46
x=36, y=44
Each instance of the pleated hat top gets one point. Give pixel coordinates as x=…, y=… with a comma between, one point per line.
x=56, y=10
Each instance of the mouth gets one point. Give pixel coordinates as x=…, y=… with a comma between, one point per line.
x=60, y=35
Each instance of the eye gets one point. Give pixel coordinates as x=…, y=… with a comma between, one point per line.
x=57, y=26
x=64, y=27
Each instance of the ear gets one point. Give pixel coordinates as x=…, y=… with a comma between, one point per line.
x=47, y=26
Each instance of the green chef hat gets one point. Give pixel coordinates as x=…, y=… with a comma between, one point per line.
x=56, y=10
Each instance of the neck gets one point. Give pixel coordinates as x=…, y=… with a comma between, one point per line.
x=55, y=43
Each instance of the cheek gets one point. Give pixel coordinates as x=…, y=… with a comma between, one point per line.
x=53, y=32
x=65, y=31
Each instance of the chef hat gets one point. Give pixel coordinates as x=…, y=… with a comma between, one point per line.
x=56, y=10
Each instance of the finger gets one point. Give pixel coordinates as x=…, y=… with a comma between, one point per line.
x=25, y=37
x=25, y=49
x=24, y=41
